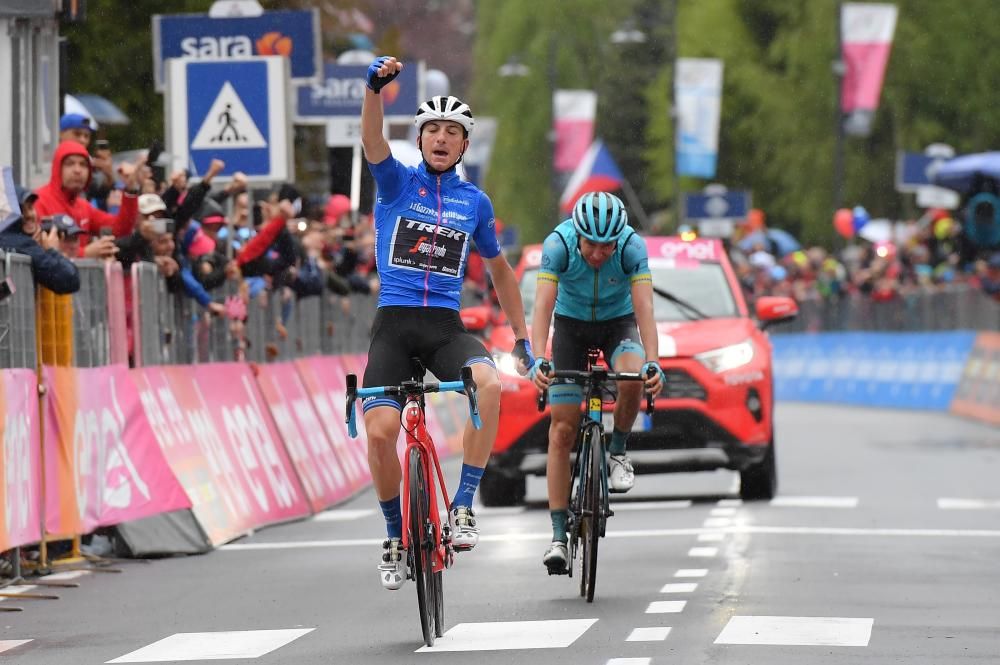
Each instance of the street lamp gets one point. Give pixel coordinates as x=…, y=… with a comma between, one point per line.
x=513, y=68
x=628, y=33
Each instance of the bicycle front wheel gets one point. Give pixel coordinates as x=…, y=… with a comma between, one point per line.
x=593, y=508
x=421, y=545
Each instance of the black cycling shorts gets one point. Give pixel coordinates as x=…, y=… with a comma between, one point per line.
x=572, y=338
x=435, y=335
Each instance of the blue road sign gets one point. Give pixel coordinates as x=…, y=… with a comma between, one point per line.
x=914, y=170
x=730, y=204
x=294, y=34
x=233, y=110
x=342, y=90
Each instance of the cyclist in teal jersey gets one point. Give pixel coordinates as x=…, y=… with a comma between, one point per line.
x=595, y=278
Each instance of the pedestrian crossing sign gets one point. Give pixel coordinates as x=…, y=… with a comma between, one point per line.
x=233, y=110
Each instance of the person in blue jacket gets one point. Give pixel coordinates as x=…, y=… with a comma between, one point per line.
x=48, y=266
x=425, y=220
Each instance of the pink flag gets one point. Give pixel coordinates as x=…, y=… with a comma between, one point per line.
x=573, y=115
x=866, y=32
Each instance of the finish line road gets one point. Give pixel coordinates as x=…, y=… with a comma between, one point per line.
x=882, y=546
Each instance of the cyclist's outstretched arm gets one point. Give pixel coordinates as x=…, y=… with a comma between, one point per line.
x=508, y=293
x=372, y=119
x=545, y=302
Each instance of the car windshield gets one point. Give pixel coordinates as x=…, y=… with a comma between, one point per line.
x=704, y=285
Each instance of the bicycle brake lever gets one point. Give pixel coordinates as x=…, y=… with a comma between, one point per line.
x=352, y=396
x=470, y=392
x=650, y=373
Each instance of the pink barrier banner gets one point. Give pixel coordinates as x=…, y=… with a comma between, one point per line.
x=21, y=461
x=324, y=377
x=304, y=434
x=100, y=465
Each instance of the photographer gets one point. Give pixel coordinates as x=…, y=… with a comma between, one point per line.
x=139, y=245
x=25, y=236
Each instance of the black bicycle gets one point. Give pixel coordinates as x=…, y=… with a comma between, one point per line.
x=589, y=505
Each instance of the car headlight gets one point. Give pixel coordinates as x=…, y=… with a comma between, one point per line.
x=506, y=363
x=727, y=357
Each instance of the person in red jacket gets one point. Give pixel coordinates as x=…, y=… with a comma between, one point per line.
x=66, y=194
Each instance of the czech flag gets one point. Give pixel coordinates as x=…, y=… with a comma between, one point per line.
x=597, y=172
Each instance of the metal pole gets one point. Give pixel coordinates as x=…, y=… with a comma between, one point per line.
x=674, y=115
x=839, y=69
x=355, y=183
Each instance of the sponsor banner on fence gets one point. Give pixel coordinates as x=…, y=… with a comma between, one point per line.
x=325, y=379
x=895, y=370
x=978, y=393
x=21, y=476
x=304, y=434
x=100, y=466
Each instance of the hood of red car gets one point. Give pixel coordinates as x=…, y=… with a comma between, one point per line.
x=687, y=338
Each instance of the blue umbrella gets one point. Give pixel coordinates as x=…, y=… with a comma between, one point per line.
x=965, y=173
x=777, y=241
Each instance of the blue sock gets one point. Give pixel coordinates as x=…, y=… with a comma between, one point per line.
x=467, y=485
x=618, y=439
x=393, y=513
x=559, y=518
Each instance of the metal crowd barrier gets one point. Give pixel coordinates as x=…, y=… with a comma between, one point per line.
x=17, y=314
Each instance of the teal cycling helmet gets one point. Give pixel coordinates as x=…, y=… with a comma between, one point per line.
x=600, y=217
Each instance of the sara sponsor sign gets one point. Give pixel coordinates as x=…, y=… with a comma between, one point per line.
x=100, y=468
x=292, y=34
x=342, y=89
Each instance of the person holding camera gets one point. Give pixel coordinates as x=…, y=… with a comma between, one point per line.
x=25, y=236
x=66, y=194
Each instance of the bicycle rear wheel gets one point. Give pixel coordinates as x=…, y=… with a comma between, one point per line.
x=439, y=603
x=421, y=545
x=594, y=509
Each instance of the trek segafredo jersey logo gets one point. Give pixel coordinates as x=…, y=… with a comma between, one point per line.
x=427, y=247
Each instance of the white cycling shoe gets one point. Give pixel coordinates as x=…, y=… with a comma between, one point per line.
x=392, y=570
x=555, y=558
x=621, y=476
x=464, y=533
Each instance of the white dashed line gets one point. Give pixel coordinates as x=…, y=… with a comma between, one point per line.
x=679, y=587
x=797, y=631
x=691, y=572
x=815, y=502
x=629, y=661
x=666, y=606
x=213, y=646
x=967, y=504
x=650, y=505
x=703, y=551
x=7, y=645
x=649, y=634
x=730, y=503
x=503, y=635
x=342, y=515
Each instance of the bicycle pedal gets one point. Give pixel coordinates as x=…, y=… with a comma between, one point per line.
x=611, y=513
x=557, y=571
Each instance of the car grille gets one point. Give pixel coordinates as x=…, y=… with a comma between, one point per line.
x=681, y=385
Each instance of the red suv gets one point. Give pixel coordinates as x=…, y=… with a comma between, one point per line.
x=716, y=407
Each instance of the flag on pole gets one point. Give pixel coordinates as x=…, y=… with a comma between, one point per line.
x=866, y=32
x=596, y=172
x=698, y=96
x=573, y=114
x=10, y=208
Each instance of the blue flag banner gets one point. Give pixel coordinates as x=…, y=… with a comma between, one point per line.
x=698, y=97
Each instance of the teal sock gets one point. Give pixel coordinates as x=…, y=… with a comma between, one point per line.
x=559, y=518
x=618, y=439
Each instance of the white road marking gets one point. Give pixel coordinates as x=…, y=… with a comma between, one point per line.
x=815, y=502
x=730, y=503
x=502, y=635
x=649, y=533
x=797, y=631
x=629, y=661
x=67, y=575
x=666, y=606
x=649, y=634
x=722, y=512
x=679, y=587
x=651, y=505
x=716, y=522
x=967, y=504
x=703, y=551
x=343, y=515
x=691, y=572
x=7, y=645
x=711, y=537
x=213, y=646
x=507, y=510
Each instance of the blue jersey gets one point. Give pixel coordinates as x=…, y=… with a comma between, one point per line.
x=589, y=294
x=423, y=224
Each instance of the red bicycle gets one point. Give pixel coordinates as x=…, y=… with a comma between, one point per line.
x=426, y=540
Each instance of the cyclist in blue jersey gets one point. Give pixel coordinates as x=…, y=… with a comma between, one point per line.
x=595, y=277
x=425, y=218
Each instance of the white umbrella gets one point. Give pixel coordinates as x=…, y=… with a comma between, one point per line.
x=877, y=230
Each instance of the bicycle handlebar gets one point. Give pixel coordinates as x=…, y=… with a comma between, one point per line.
x=412, y=388
x=588, y=375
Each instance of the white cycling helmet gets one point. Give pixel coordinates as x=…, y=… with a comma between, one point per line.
x=444, y=108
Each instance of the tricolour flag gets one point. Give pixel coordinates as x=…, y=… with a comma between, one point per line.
x=596, y=172
x=573, y=114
